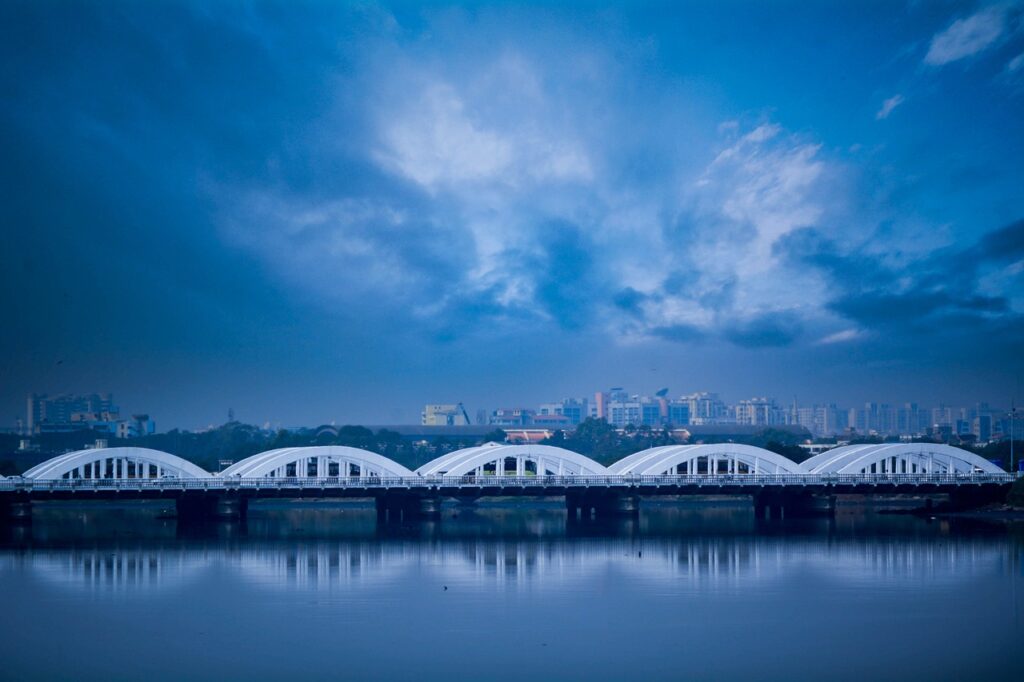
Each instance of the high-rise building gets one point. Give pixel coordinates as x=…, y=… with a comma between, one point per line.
x=65, y=411
x=982, y=428
x=758, y=412
x=705, y=408
x=679, y=413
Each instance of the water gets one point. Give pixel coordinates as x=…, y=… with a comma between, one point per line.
x=320, y=592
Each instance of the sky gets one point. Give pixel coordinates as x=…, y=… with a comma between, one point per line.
x=340, y=212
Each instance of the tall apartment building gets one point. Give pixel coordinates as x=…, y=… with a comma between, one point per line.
x=44, y=412
x=981, y=427
x=621, y=409
x=705, y=408
x=758, y=412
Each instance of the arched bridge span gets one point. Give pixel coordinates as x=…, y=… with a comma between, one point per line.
x=505, y=460
x=721, y=458
x=500, y=459
x=898, y=458
x=115, y=463
x=317, y=462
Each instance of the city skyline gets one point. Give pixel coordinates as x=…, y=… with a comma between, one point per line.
x=98, y=412
x=306, y=214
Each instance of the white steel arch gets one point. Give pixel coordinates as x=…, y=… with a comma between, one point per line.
x=715, y=458
x=898, y=458
x=115, y=463
x=317, y=461
x=493, y=459
x=823, y=460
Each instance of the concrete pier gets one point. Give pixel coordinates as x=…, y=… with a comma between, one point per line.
x=198, y=508
x=593, y=504
x=402, y=506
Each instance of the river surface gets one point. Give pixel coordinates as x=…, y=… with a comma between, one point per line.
x=318, y=592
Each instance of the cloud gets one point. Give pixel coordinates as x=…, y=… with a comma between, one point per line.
x=779, y=328
x=888, y=106
x=841, y=336
x=1014, y=64
x=903, y=295
x=475, y=190
x=968, y=36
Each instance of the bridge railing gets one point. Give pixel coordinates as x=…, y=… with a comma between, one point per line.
x=738, y=481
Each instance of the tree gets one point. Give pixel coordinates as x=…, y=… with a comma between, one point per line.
x=495, y=436
x=792, y=452
x=597, y=439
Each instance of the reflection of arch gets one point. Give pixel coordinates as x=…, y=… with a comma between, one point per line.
x=110, y=463
x=316, y=461
x=725, y=458
x=138, y=570
x=898, y=458
x=528, y=459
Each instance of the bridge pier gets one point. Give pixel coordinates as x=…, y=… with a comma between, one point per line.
x=407, y=506
x=590, y=504
x=429, y=506
x=200, y=508
x=966, y=497
x=614, y=504
x=779, y=504
x=574, y=505
x=196, y=508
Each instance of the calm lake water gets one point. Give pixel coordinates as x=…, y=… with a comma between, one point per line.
x=317, y=592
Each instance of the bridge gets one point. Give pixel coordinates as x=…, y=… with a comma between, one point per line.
x=590, y=489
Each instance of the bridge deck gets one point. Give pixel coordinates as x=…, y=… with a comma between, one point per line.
x=493, y=485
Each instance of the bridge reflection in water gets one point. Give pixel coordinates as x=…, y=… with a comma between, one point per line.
x=312, y=592
x=528, y=548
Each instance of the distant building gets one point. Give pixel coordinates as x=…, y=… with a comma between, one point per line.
x=60, y=410
x=67, y=413
x=575, y=410
x=512, y=416
x=139, y=425
x=758, y=412
x=705, y=408
x=982, y=428
x=444, y=415
x=678, y=412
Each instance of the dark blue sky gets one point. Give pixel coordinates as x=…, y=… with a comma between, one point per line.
x=316, y=212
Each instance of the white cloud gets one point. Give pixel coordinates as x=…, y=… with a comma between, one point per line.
x=841, y=337
x=1014, y=64
x=769, y=188
x=969, y=36
x=488, y=157
x=494, y=125
x=888, y=105
x=434, y=141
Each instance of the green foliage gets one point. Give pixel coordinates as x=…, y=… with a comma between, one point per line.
x=1000, y=450
x=793, y=452
x=601, y=441
x=495, y=436
x=777, y=436
x=1016, y=495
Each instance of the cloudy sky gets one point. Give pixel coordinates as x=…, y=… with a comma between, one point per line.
x=340, y=212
